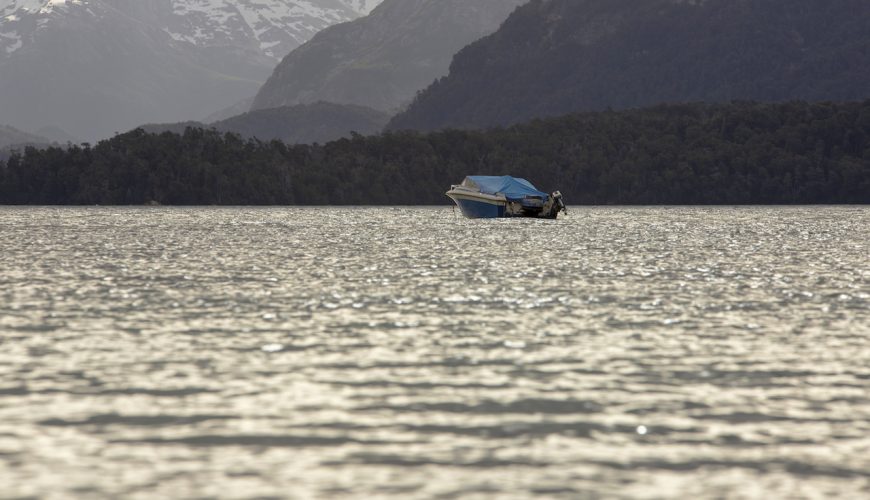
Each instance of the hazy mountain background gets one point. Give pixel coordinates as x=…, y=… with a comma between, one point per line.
x=10, y=136
x=12, y=140
x=554, y=57
x=58, y=135
x=382, y=60
x=306, y=123
x=75, y=70
x=301, y=124
x=94, y=67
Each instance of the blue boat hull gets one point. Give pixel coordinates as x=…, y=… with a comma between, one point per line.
x=504, y=197
x=480, y=210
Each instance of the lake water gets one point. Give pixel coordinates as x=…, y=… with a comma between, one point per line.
x=408, y=353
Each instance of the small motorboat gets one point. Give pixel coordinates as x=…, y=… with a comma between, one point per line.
x=491, y=197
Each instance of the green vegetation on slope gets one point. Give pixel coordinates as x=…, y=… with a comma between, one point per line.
x=680, y=154
x=560, y=56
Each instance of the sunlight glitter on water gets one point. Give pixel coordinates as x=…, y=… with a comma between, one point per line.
x=634, y=352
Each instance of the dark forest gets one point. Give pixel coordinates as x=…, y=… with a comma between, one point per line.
x=737, y=153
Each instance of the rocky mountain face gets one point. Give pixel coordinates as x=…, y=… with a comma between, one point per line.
x=362, y=6
x=93, y=67
x=382, y=60
x=553, y=57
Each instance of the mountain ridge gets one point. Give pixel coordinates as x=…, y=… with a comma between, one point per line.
x=11, y=136
x=382, y=60
x=559, y=56
x=319, y=122
x=94, y=67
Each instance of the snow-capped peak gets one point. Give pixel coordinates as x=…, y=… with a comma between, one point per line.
x=8, y=7
x=275, y=27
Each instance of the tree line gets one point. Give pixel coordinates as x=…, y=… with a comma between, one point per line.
x=737, y=153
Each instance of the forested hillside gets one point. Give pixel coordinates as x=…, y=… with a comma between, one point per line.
x=681, y=154
x=559, y=56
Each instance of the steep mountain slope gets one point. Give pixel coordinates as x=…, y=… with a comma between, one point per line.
x=553, y=57
x=236, y=109
x=362, y=6
x=302, y=124
x=382, y=60
x=96, y=66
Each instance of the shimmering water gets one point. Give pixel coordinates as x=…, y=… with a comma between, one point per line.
x=407, y=353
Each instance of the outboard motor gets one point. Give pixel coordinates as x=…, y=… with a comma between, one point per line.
x=558, y=204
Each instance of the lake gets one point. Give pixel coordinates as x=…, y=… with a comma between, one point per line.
x=407, y=352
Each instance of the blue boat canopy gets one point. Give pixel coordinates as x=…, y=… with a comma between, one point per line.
x=513, y=188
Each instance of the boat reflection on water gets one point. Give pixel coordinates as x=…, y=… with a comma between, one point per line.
x=491, y=197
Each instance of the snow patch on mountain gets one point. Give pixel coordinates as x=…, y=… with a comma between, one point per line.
x=11, y=42
x=21, y=19
x=98, y=66
x=362, y=6
x=9, y=6
x=275, y=27
x=36, y=6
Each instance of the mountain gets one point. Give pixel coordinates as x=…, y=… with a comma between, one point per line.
x=306, y=123
x=92, y=67
x=58, y=135
x=362, y=6
x=12, y=139
x=238, y=108
x=382, y=60
x=553, y=57
x=10, y=136
x=302, y=124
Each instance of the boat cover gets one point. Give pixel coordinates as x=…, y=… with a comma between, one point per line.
x=513, y=188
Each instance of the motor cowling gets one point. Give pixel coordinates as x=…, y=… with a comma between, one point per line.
x=559, y=203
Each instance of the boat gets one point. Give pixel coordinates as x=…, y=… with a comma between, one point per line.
x=492, y=197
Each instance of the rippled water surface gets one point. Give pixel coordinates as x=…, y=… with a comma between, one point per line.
x=406, y=353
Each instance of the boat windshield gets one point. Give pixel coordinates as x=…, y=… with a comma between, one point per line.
x=512, y=188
